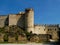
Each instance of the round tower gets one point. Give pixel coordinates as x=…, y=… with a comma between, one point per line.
x=29, y=20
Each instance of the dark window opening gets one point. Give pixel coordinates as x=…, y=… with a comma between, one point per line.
x=50, y=36
x=30, y=32
x=48, y=29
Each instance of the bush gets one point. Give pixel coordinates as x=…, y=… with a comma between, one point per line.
x=6, y=38
x=34, y=38
x=2, y=30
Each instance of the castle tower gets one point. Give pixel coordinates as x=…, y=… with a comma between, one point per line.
x=29, y=20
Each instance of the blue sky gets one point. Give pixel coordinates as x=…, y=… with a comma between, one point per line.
x=46, y=11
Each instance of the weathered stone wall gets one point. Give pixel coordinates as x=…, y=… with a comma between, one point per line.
x=39, y=29
x=17, y=19
x=3, y=20
x=12, y=19
x=52, y=31
x=21, y=19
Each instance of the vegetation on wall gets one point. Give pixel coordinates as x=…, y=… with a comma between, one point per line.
x=11, y=31
x=19, y=34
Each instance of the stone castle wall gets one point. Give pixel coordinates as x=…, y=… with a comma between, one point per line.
x=2, y=20
x=39, y=29
x=16, y=19
x=22, y=19
x=52, y=31
x=12, y=19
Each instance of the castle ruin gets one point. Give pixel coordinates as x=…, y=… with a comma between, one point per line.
x=25, y=20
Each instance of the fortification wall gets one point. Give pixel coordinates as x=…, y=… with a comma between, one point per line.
x=21, y=20
x=3, y=21
x=39, y=29
x=12, y=19
x=52, y=31
x=16, y=19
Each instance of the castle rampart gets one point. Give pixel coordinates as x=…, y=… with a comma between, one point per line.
x=39, y=29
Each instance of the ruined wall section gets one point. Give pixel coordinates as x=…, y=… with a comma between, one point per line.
x=2, y=21
x=52, y=30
